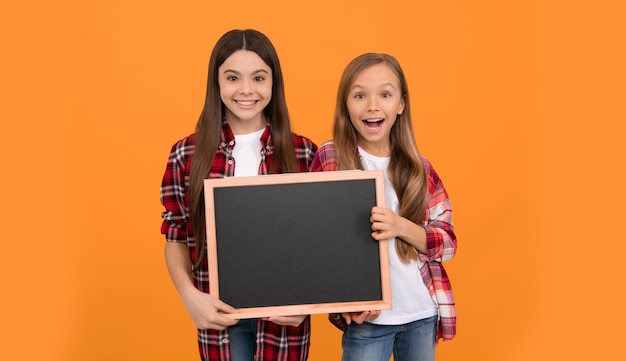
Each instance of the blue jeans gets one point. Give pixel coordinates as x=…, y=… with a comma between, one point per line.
x=413, y=341
x=243, y=340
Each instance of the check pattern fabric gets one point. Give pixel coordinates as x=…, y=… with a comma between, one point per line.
x=441, y=242
x=274, y=342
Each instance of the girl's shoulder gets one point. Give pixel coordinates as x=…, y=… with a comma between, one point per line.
x=183, y=147
x=328, y=146
x=325, y=158
x=426, y=163
x=327, y=150
x=433, y=178
x=185, y=141
x=303, y=142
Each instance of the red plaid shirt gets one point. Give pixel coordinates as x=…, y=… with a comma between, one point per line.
x=441, y=241
x=274, y=342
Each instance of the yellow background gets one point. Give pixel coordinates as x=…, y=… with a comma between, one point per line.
x=518, y=104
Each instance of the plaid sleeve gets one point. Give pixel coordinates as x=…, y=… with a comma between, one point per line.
x=441, y=240
x=325, y=159
x=441, y=245
x=435, y=276
x=305, y=151
x=173, y=190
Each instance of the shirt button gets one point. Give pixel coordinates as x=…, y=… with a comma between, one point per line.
x=230, y=161
x=225, y=340
x=232, y=142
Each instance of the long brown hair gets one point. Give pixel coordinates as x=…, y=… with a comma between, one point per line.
x=209, y=126
x=406, y=170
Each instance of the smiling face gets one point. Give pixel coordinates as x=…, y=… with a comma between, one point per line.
x=374, y=101
x=245, y=83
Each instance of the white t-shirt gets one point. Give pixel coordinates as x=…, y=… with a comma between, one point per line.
x=247, y=153
x=410, y=299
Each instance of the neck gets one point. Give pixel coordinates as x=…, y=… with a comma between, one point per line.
x=378, y=150
x=239, y=126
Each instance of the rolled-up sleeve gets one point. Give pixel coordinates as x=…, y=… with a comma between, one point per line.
x=173, y=190
x=441, y=241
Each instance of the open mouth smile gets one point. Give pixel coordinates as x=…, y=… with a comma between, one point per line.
x=373, y=123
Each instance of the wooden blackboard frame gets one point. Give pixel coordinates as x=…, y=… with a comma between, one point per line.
x=235, y=198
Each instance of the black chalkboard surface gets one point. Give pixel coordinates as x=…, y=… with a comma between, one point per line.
x=291, y=244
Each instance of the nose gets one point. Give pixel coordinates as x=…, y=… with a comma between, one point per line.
x=372, y=104
x=246, y=86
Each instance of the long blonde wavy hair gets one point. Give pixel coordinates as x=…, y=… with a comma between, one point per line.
x=406, y=170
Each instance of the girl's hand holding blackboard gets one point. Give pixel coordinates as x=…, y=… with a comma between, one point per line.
x=207, y=312
x=360, y=317
x=385, y=223
x=294, y=321
x=388, y=225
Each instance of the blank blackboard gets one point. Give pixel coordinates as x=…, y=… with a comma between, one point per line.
x=291, y=244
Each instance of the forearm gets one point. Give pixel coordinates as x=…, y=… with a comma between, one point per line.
x=206, y=311
x=413, y=234
x=179, y=266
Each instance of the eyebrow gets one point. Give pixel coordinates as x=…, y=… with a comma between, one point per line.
x=355, y=86
x=253, y=73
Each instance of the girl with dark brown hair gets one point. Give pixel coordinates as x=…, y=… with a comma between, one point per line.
x=243, y=130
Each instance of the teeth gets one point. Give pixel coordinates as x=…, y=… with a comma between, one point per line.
x=246, y=102
x=373, y=120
